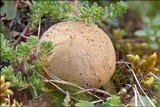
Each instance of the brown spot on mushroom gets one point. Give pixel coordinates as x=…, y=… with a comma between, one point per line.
x=92, y=40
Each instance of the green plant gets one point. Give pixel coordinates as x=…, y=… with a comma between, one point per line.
x=45, y=49
x=23, y=57
x=64, y=11
x=16, y=80
x=115, y=10
x=19, y=52
x=151, y=31
x=6, y=51
x=113, y=101
x=57, y=10
x=91, y=14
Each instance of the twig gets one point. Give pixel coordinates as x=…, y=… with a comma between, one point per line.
x=155, y=76
x=55, y=86
x=51, y=75
x=16, y=4
x=135, y=94
x=3, y=18
x=25, y=87
x=62, y=90
x=21, y=36
x=129, y=40
x=68, y=83
x=75, y=2
x=97, y=101
x=94, y=89
x=139, y=84
x=65, y=82
x=9, y=103
x=39, y=29
x=121, y=62
x=135, y=87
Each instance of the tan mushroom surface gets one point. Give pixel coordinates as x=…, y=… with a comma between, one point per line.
x=83, y=54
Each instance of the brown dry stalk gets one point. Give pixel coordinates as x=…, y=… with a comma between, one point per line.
x=21, y=36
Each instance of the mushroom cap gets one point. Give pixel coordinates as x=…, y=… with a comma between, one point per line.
x=83, y=54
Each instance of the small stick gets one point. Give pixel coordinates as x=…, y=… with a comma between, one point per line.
x=21, y=36
x=97, y=101
x=39, y=29
x=155, y=76
x=94, y=89
x=65, y=82
x=75, y=2
x=135, y=87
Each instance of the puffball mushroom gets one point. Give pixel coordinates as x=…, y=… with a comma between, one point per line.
x=83, y=54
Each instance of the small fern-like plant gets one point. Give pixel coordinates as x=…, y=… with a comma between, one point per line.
x=58, y=10
x=63, y=10
x=24, y=62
